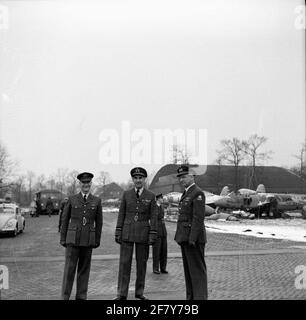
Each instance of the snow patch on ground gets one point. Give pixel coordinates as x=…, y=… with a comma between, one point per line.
x=110, y=209
x=293, y=229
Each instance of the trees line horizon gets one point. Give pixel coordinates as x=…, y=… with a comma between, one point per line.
x=234, y=151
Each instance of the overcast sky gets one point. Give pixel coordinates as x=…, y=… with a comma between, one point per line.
x=70, y=69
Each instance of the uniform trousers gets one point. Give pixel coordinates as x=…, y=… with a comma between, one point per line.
x=195, y=271
x=77, y=258
x=125, y=264
x=159, y=253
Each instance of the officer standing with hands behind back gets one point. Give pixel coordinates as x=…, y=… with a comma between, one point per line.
x=81, y=229
x=136, y=225
x=159, y=252
x=191, y=235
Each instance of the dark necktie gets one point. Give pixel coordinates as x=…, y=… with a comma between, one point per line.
x=84, y=197
x=183, y=194
x=137, y=193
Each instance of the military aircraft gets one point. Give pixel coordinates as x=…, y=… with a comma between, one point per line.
x=247, y=192
x=285, y=202
x=225, y=200
x=278, y=202
x=254, y=201
x=172, y=199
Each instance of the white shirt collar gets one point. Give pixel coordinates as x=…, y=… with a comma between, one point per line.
x=83, y=194
x=186, y=189
x=140, y=190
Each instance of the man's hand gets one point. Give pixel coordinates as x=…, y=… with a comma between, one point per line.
x=118, y=236
x=192, y=243
x=63, y=243
x=118, y=239
x=152, y=239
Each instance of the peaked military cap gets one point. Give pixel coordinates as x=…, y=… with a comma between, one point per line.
x=85, y=176
x=182, y=170
x=138, y=171
x=160, y=195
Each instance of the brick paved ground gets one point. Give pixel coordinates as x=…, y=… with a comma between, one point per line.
x=42, y=239
x=239, y=267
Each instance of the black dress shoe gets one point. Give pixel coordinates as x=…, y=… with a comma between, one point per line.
x=156, y=272
x=164, y=271
x=141, y=297
x=120, y=298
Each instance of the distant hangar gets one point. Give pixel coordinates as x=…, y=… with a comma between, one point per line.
x=275, y=179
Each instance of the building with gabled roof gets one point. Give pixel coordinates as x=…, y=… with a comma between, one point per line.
x=275, y=179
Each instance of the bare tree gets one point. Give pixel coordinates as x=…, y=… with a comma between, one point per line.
x=61, y=179
x=180, y=155
x=30, y=177
x=232, y=152
x=301, y=158
x=174, y=150
x=40, y=182
x=251, y=149
x=103, y=178
x=72, y=182
x=18, y=187
x=51, y=182
x=6, y=165
x=220, y=160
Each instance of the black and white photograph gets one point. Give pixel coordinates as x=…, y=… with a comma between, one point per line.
x=152, y=150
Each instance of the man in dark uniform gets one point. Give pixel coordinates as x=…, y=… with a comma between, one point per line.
x=49, y=206
x=191, y=235
x=38, y=207
x=80, y=233
x=160, y=246
x=136, y=225
x=61, y=210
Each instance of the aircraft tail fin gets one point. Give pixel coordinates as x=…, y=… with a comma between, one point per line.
x=225, y=191
x=261, y=189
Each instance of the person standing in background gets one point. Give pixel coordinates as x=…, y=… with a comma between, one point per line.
x=33, y=207
x=49, y=206
x=61, y=210
x=159, y=249
x=38, y=207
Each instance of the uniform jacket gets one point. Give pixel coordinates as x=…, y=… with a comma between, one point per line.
x=49, y=205
x=82, y=221
x=137, y=218
x=38, y=205
x=190, y=224
x=63, y=203
x=161, y=227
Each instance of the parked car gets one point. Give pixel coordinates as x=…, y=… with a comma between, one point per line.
x=11, y=220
